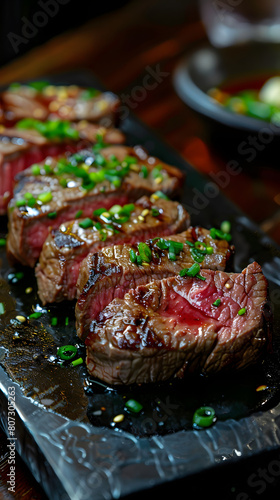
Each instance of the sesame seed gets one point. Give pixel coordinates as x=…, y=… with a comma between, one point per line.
x=228, y=285
x=158, y=180
x=20, y=318
x=145, y=212
x=134, y=167
x=118, y=418
x=141, y=218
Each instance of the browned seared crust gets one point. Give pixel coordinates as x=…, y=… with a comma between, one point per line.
x=170, y=328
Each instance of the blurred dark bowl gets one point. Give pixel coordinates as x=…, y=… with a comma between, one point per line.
x=210, y=67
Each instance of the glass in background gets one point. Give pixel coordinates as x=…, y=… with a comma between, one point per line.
x=229, y=22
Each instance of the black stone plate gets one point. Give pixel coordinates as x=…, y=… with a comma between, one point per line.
x=64, y=427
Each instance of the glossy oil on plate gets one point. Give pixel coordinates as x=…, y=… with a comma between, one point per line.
x=65, y=428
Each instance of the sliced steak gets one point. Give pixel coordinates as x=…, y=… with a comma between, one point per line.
x=20, y=148
x=170, y=328
x=46, y=197
x=43, y=101
x=64, y=249
x=110, y=273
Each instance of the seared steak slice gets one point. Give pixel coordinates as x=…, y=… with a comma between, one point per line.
x=42, y=101
x=110, y=273
x=170, y=328
x=20, y=148
x=65, y=248
x=46, y=197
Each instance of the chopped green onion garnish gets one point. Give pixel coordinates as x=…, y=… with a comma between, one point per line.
x=217, y=303
x=2, y=308
x=204, y=417
x=79, y=214
x=225, y=226
x=217, y=233
x=144, y=172
x=192, y=272
x=99, y=211
x=154, y=212
x=190, y=243
x=115, y=209
x=3, y=242
x=200, y=246
x=209, y=250
x=133, y=256
x=67, y=352
x=145, y=252
x=160, y=194
x=54, y=321
x=35, y=315
x=242, y=311
x=138, y=260
x=86, y=223
x=45, y=197
x=76, y=362
x=35, y=169
x=52, y=215
x=20, y=203
x=133, y=405
x=197, y=255
x=19, y=275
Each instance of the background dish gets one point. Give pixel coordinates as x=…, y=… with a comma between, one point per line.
x=209, y=67
x=86, y=454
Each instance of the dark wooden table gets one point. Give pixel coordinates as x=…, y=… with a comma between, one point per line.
x=121, y=49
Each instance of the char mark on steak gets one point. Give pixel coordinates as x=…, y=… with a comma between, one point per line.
x=110, y=273
x=57, y=190
x=170, y=328
x=22, y=147
x=64, y=249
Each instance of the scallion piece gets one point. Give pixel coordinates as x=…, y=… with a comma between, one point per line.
x=45, y=197
x=160, y=194
x=217, y=303
x=242, y=311
x=197, y=255
x=154, y=212
x=192, y=271
x=52, y=215
x=144, y=172
x=54, y=321
x=86, y=223
x=139, y=260
x=3, y=242
x=20, y=203
x=190, y=243
x=204, y=417
x=99, y=211
x=35, y=315
x=132, y=256
x=79, y=214
x=67, y=352
x=133, y=406
x=225, y=226
x=2, y=308
x=218, y=234
x=76, y=362
x=144, y=252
